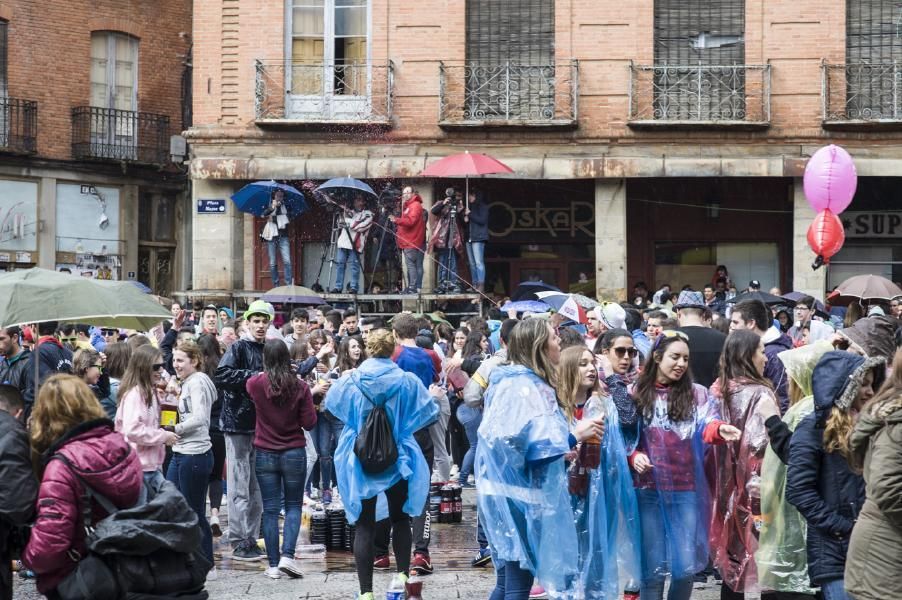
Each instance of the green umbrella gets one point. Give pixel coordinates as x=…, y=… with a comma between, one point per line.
x=38, y=295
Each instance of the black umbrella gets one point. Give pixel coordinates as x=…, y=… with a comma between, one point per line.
x=527, y=290
x=768, y=299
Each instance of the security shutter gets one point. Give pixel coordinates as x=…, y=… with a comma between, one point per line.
x=874, y=56
x=699, y=33
x=510, y=59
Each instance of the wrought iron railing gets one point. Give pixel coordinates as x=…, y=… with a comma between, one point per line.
x=508, y=94
x=18, y=125
x=121, y=135
x=862, y=92
x=699, y=94
x=358, y=92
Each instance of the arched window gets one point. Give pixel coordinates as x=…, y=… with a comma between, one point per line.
x=114, y=70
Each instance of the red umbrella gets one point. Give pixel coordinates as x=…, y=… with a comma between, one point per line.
x=464, y=165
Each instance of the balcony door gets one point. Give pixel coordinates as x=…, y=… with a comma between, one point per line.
x=874, y=58
x=114, y=95
x=329, y=75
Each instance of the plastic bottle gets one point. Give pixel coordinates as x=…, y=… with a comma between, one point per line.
x=169, y=414
x=414, y=588
x=396, y=589
x=577, y=479
x=754, y=489
x=446, y=514
x=590, y=452
x=457, y=512
x=631, y=591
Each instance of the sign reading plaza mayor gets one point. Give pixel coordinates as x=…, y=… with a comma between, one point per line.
x=574, y=219
x=882, y=224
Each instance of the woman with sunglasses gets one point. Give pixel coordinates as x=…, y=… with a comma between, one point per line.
x=138, y=415
x=675, y=423
x=605, y=511
x=615, y=354
x=746, y=399
x=88, y=365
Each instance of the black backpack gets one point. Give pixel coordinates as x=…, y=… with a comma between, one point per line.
x=375, y=446
x=147, y=552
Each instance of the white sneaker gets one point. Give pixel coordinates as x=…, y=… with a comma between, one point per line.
x=455, y=471
x=212, y=574
x=290, y=567
x=273, y=573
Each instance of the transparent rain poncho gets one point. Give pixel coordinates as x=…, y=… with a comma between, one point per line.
x=522, y=491
x=673, y=496
x=607, y=517
x=782, y=557
x=409, y=408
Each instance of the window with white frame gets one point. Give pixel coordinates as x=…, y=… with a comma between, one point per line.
x=114, y=71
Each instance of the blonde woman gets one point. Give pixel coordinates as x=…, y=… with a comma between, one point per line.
x=819, y=482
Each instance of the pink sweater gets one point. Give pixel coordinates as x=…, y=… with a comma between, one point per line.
x=140, y=425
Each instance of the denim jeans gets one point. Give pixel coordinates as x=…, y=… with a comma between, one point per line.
x=413, y=258
x=513, y=583
x=325, y=439
x=447, y=268
x=835, y=590
x=470, y=418
x=657, y=532
x=281, y=473
x=476, y=257
x=151, y=479
x=285, y=250
x=191, y=474
x=342, y=257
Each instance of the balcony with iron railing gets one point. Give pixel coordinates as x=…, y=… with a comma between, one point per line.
x=119, y=135
x=291, y=93
x=508, y=95
x=699, y=96
x=862, y=96
x=18, y=125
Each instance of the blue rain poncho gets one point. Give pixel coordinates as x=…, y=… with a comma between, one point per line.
x=522, y=485
x=409, y=408
x=607, y=520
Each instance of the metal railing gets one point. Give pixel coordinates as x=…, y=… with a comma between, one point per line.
x=699, y=94
x=508, y=94
x=358, y=92
x=18, y=125
x=121, y=135
x=861, y=92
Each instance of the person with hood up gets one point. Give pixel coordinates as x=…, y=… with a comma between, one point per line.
x=820, y=483
x=53, y=358
x=753, y=315
x=875, y=549
x=411, y=237
x=409, y=407
x=69, y=422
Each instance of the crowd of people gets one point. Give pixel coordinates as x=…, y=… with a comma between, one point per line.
x=658, y=442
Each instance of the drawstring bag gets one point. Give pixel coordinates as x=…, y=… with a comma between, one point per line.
x=375, y=446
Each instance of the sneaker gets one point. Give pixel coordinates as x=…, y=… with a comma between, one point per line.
x=366, y=596
x=290, y=567
x=466, y=484
x=537, y=592
x=273, y=573
x=335, y=291
x=327, y=496
x=482, y=558
x=421, y=564
x=247, y=553
x=455, y=471
x=382, y=563
x=214, y=526
x=212, y=574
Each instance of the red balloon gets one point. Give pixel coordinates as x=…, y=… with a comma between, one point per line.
x=826, y=235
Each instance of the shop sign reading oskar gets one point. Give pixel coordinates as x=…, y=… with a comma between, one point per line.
x=571, y=220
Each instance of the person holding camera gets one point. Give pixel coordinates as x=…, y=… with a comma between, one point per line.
x=275, y=234
x=446, y=240
x=355, y=226
x=411, y=237
x=476, y=216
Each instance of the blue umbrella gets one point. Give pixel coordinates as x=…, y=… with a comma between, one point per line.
x=254, y=198
x=520, y=306
x=347, y=183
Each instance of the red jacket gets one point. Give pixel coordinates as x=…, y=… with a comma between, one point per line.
x=411, y=225
x=108, y=464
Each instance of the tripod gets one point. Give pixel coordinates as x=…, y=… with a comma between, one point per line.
x=330, y=251
x=447, y=284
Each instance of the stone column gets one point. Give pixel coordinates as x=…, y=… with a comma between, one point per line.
x=46, y=226
x=427, y=193
x=217, y=240
x=128, y=228
x=610, y=239
x=804, y=278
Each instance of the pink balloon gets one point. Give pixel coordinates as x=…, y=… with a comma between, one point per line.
x=830, y=180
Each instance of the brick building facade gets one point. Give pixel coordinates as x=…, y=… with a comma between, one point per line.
x=682, y=126
x=90, y=94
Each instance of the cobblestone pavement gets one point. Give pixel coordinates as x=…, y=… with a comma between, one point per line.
x=334, y=578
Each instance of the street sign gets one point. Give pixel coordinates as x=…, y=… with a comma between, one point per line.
x=211, y=207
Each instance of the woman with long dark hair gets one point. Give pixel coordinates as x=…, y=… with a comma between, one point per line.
x=284, y=409
x=212, y=352
x=351, y=354
x=744, y=398
x=473, y=353
x=676, y=421
x=520, y=471
x=138, y=414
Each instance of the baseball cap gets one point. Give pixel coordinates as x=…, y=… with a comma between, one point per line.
x=260, y=307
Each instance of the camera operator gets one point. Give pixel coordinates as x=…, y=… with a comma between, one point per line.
x=476, y=216
x=275, y=234
x=446, y=240
x=355, y=225
x=411, y=237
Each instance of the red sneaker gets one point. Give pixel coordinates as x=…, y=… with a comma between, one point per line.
x=421, y=565
x=382, y=563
